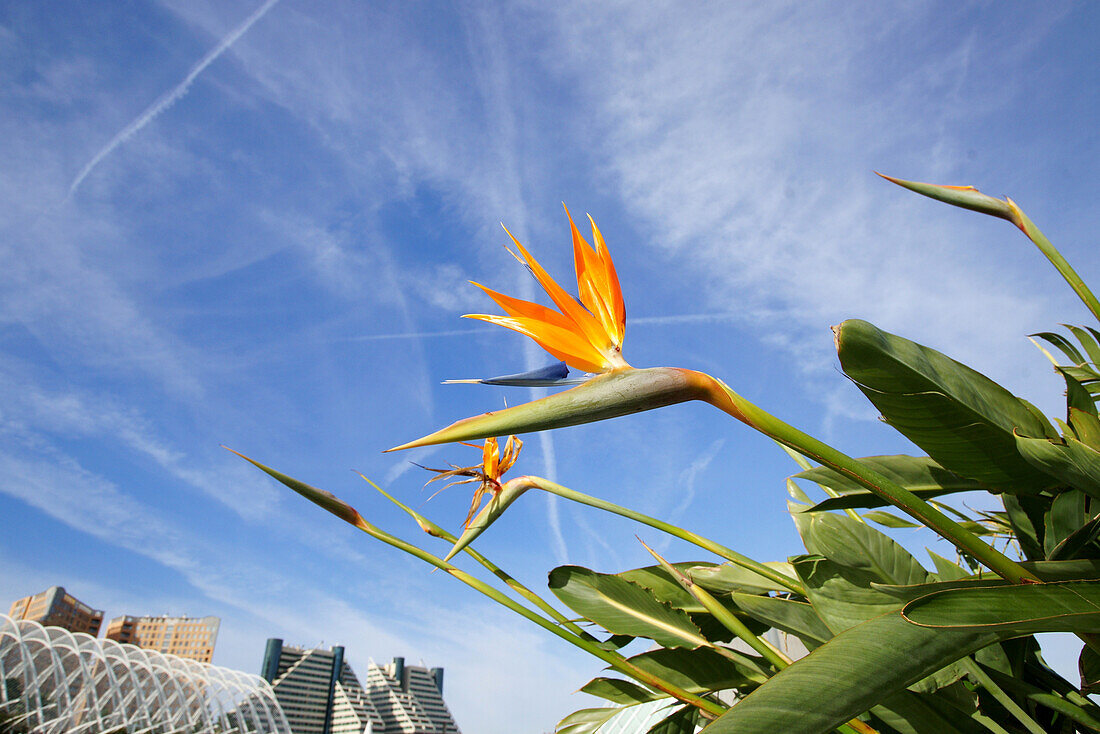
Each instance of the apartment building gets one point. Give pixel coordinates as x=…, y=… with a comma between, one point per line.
x=56, y=608
x=186, y=637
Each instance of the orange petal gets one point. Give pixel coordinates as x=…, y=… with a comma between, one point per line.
x=490, y=457
x=586, y=324
x=612, y=293
x=589, y=274
x=526, y=309
x=564, y=344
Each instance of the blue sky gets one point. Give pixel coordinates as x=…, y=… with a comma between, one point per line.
x=252, y=224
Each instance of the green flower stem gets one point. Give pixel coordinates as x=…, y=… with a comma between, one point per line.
x=973, y=669
x=725, y=399
x=350, y=515
x=705, y=543
x=435, y=530
x=1060, y=263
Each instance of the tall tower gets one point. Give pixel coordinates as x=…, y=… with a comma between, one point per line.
x=318, y=691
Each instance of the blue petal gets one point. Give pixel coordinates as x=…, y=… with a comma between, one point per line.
x=549, y=376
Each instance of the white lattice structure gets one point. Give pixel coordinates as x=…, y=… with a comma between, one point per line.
x=54, y=681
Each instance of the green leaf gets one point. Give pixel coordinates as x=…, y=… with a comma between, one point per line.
x=663, y=587
x=858, y=546
x=1065, y=346
x=620, y=691
x=703, y=670
x=793, y=617
x=1078, y=569
x=859, y=668
x=1067, y=459
x=586, y=721
x=1088, y=664
x=1068, y=606
x=947, y=570
x=616, y=642
x=1088, y=338
x=887, y=520
x=919, y=474
x=1069, y=523
x=1076, y=395
x=1086, y=427
x=1026, y=515
x=961, y=418
x=681, y=721
x=623, y=608
x=842, y=597
x=920, y=713
x=727, y=578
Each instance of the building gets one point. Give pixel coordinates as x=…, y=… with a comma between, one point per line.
x=186, y=637
x=409, y=698
x=54, y=680
x=318, y=691
x=55, y=608
x=320, y=694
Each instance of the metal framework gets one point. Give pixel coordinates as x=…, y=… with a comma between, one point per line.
x=54, y=681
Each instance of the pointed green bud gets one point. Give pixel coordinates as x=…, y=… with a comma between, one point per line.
x=610, y=395
x=966, y=197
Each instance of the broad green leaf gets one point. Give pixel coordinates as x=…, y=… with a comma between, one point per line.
x=859, y=668
x=1065, y=346
x=586, y=721
x=681, y=721
x=1087, y=714
x=620, y=691
x=1088, y=665
x=887, y=520
x=1078, y=569
x=919, y=474
x=1088, y=338
x=916, y=591
x=728, y=577
x=616, y=642
x=1086, y=427
x=947, y=570
x=1026, y=514
x=961, y=418
x=858, y=546
x=1068, y=606
x=842, y=597
x=1066, y=516
x=1076, y=395
x=919, y=713
x=703, y=670
x=623, y=608
x=1067, y=459
x=793, y=617
x=663, y=586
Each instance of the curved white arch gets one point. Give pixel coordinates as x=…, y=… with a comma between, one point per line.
x=56, y=682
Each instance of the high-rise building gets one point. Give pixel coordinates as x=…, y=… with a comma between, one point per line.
x=55, y=608
x=318, y=691
x=320, y=694
x=185, y=637
x=409, y=698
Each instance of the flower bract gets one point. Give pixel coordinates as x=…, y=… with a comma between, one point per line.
x=585, y=332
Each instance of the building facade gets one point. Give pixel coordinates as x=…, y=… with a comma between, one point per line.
x=56, y=608
x=320, y=694
x=186, y=637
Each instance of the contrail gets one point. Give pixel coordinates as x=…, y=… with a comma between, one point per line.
x=167, y=99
